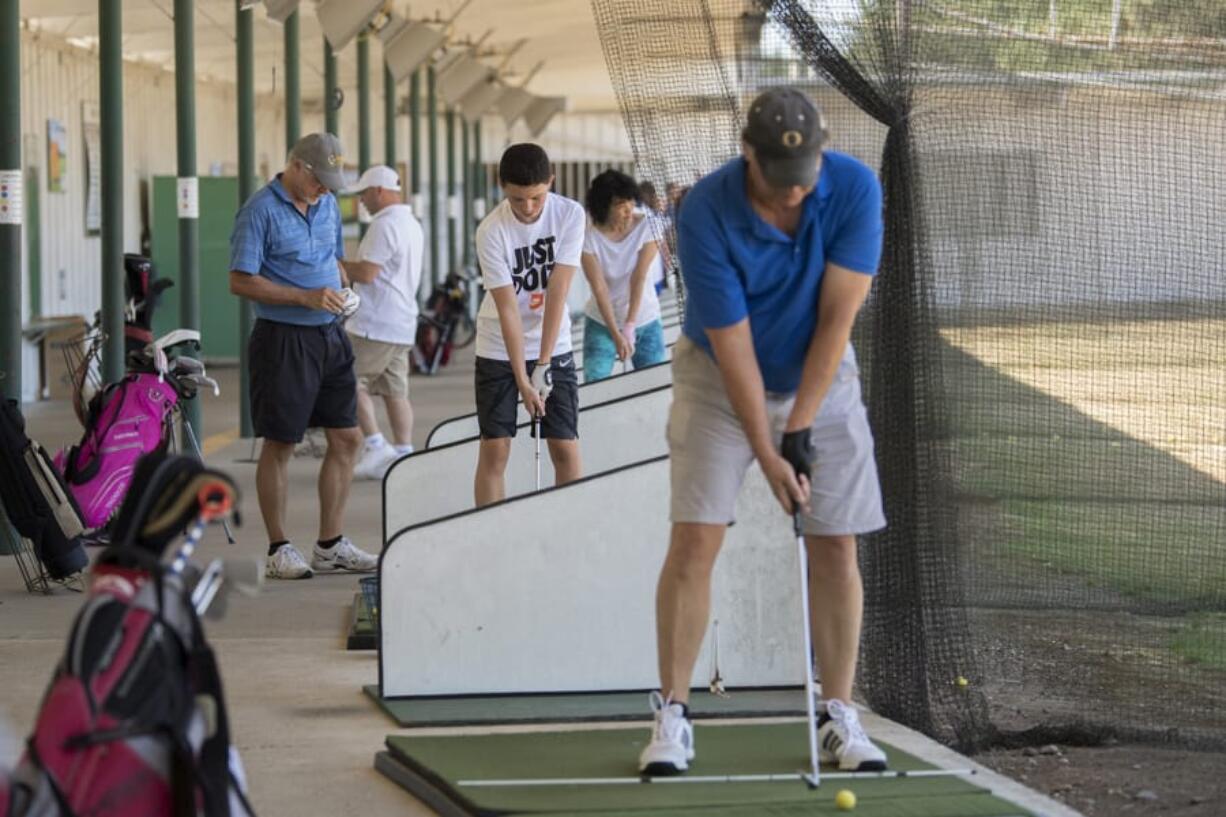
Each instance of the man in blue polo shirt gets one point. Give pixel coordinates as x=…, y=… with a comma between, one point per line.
x=778, y=249
x=285, y=255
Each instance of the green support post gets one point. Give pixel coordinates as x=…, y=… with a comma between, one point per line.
x=451, y=189
x=332, y=114
x=415, y=133
x=293, y=87
x=245, y=81
x=11, y=199
x=389, y=117
x=363, y=103
x=466, y=196
x=414, y=160
x=110, y=57
x=432, y=148
x=363, y=109
x=188, y=185
x=479, y=177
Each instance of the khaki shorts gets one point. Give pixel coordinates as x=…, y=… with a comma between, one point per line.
x=709, y=453
x=382, y=368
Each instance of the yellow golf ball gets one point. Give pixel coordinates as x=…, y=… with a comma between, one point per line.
x=845, y=800
x=962, y=682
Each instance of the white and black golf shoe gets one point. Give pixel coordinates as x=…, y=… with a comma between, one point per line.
x=672, y=740
x=842, y=740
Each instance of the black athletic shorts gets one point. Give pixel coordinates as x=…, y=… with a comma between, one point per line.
x=498, y=399
x=301, y=377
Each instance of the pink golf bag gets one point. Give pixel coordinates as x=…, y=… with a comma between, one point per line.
x=126, y=420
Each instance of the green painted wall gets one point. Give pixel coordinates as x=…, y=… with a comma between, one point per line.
x=218, y=308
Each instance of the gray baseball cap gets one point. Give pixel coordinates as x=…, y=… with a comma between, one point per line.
x=786, y=129
x=323, y=156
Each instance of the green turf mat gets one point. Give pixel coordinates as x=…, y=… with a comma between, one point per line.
x=361, y=628
x=579, y=707
x=432, y=768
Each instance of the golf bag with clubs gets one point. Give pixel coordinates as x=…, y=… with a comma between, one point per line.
x=443, y=326
x=126, y=420
x=134, y=721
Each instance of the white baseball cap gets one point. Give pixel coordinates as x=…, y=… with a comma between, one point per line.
x=377, y=176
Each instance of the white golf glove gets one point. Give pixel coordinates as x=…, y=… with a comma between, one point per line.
x=352, y=302
x=542, y=380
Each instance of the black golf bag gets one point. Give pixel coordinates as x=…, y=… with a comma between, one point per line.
x=37, y=502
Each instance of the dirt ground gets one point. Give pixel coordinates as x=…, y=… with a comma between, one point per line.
x=1064, y=672
x=1121, y=779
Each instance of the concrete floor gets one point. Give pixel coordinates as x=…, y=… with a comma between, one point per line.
x=306, y=732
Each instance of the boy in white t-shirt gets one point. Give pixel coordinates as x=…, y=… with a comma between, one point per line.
x=529, y=248
x=382, y=331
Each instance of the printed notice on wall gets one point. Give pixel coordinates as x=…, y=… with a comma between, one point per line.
x=188, y=196
x=91, y=128
x=11, y=205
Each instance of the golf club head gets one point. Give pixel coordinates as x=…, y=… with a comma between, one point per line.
x=187, y=363
x=244, y=576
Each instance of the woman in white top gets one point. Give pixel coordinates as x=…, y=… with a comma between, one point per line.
x=619, y=251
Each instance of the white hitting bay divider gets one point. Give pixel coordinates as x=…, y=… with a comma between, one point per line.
x=498, y=601
x=438, y=482
x=601, y=391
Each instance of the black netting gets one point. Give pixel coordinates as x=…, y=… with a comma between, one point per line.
x=1044, y=352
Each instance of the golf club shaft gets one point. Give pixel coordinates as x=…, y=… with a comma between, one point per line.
x=191, y=436
x=536, y=433
x=190, y=540
x=794, y=777
x=808, y=666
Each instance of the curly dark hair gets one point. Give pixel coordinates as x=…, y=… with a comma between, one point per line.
x=607, y=188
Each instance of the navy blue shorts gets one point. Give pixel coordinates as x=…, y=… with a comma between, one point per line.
x=498, y=399
x=301, y=377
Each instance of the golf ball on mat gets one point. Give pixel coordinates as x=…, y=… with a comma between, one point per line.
x=845, y=800
x=962, y=681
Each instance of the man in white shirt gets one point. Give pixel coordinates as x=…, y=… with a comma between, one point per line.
x=528, y=247
x=386, y=276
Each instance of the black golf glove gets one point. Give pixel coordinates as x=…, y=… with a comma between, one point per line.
x=797, y=449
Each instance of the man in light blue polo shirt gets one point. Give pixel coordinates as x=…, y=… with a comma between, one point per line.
x=778, y=249
x=285, y=256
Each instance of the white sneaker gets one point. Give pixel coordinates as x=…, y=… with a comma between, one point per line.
x=672, y=740
x=842, y=740
x=286, y=563
x=343, y=556
x=375, y=462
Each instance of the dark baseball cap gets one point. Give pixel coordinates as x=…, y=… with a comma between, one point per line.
x=323, y=156
x=786, y=131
